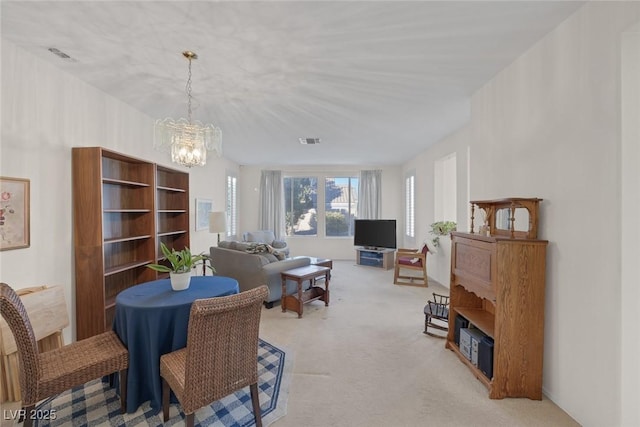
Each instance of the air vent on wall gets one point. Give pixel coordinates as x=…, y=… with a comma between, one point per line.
x=309, y=141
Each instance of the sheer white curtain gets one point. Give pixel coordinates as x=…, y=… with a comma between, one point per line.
x=369, y=194
x=271, y=215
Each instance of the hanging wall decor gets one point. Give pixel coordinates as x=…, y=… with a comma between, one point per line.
x=203, y=207
x=14, y=213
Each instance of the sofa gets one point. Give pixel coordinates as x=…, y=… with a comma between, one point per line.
x=251, y=268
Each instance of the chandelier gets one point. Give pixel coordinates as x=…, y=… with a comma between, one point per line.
x=188, y=141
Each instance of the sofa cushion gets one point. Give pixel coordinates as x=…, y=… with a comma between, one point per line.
x=225, y=244
x=240, y=246
x=270, y=257
x=262, y=236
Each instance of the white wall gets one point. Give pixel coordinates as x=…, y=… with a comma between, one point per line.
x=333, y=247
x=549, y=126
x=208, y=182
x=630, y=194
x=446, y=188
x=424, y=164
x=45, y=112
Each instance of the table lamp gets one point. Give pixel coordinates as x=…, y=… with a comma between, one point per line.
x=217, y=223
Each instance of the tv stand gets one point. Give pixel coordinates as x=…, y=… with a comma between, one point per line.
x=375, y=257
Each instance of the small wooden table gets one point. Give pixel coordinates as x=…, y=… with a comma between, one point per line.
x=310, y=272
x=323, y=262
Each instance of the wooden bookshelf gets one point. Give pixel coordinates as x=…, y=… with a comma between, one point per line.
x=116, y=219
x=172, y=209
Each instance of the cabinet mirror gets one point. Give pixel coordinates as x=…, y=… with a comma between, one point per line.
x=521, y=222
x=497, y=214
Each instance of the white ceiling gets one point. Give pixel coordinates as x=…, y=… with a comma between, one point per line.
x=378, y=82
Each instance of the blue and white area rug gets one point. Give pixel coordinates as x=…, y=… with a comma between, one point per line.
x=96, y=404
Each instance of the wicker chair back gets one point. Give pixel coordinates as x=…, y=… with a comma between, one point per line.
x=47, y=374
x=15, y=314
x=221, y=356
x=222, y=346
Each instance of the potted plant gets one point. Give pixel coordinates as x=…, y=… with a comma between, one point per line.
x=181, y=263
x=441, y=228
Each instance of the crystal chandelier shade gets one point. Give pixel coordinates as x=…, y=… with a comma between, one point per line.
x=188, y=141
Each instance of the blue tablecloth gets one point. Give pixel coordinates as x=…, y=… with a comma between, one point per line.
x=151, y=319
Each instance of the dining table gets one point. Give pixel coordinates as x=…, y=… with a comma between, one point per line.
x=151, y=319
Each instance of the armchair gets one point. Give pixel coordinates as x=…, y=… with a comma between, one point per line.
x=413, y=260
x=267, y=237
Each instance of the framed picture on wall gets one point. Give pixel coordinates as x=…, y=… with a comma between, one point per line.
x=203, y=207
x=14, y=213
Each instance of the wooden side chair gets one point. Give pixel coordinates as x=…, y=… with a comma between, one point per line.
x=436, y=315
x=412, y=260
x=221, y=355
x=50, y=373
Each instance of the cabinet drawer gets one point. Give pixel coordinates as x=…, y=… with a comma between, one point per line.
x=474, y=266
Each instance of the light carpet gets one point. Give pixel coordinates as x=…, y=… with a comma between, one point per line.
x=96, y=404
x=363, y=361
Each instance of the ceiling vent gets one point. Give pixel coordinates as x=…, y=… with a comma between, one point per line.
x=57, y=52
x=309, y=141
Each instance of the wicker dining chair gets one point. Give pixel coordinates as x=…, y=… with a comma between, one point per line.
x=221, y=355
x=47, y=374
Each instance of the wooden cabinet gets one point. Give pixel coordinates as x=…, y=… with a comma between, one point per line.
x=115, y=215
x=497, y=284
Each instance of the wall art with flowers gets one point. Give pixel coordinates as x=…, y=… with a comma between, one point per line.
x=14, y=213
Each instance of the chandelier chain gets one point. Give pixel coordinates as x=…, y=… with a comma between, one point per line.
x=189, y=93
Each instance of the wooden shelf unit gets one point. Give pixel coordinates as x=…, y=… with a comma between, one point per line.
x=497, y=284
x=115, y=229
x=172, y=208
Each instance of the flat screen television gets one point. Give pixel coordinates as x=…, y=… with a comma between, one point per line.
x=375, y=233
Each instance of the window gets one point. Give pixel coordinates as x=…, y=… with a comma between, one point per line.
x=301, y=206
x=340, y=205
x=409, y=207
x=232, y=205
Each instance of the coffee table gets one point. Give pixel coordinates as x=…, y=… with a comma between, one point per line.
x=323, y=262
x=296, y=301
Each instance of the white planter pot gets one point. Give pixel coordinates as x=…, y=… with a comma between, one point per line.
x=180, y=281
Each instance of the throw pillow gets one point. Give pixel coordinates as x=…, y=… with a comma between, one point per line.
x=279, y=244
x=263, y=248
x=257, y=248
